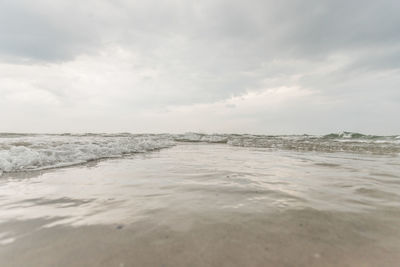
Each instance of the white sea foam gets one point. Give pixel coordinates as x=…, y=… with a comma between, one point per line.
x=22, y=153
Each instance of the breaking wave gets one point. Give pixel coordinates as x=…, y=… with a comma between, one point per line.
x=36, y=152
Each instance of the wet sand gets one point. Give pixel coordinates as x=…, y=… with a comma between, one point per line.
x=206, y=205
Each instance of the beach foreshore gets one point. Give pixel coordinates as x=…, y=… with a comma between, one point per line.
x=205, y=205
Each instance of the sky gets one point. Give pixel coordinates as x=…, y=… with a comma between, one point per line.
x=213, y=66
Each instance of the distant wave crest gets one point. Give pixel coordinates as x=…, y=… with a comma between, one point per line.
x=198, y=137
x=353, y=135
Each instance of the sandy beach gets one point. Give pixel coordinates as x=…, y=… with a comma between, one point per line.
x=205, y=205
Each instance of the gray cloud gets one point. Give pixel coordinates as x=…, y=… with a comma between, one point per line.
x=51, y=30
x=45, y=31
x=134, y=56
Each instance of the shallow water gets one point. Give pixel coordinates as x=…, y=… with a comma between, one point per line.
x=203, y=204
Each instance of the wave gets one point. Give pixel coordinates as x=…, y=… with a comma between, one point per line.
x=352, y=135
x=336, y=142
x=37, y=152
x=198, y=137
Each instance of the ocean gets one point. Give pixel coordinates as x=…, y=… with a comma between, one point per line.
x=199, y=200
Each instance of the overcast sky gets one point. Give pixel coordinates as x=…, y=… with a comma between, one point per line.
x=272, y=67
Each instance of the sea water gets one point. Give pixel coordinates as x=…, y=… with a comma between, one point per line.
x=200, y=200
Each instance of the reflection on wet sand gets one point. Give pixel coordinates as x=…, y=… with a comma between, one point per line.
x=205, y=205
